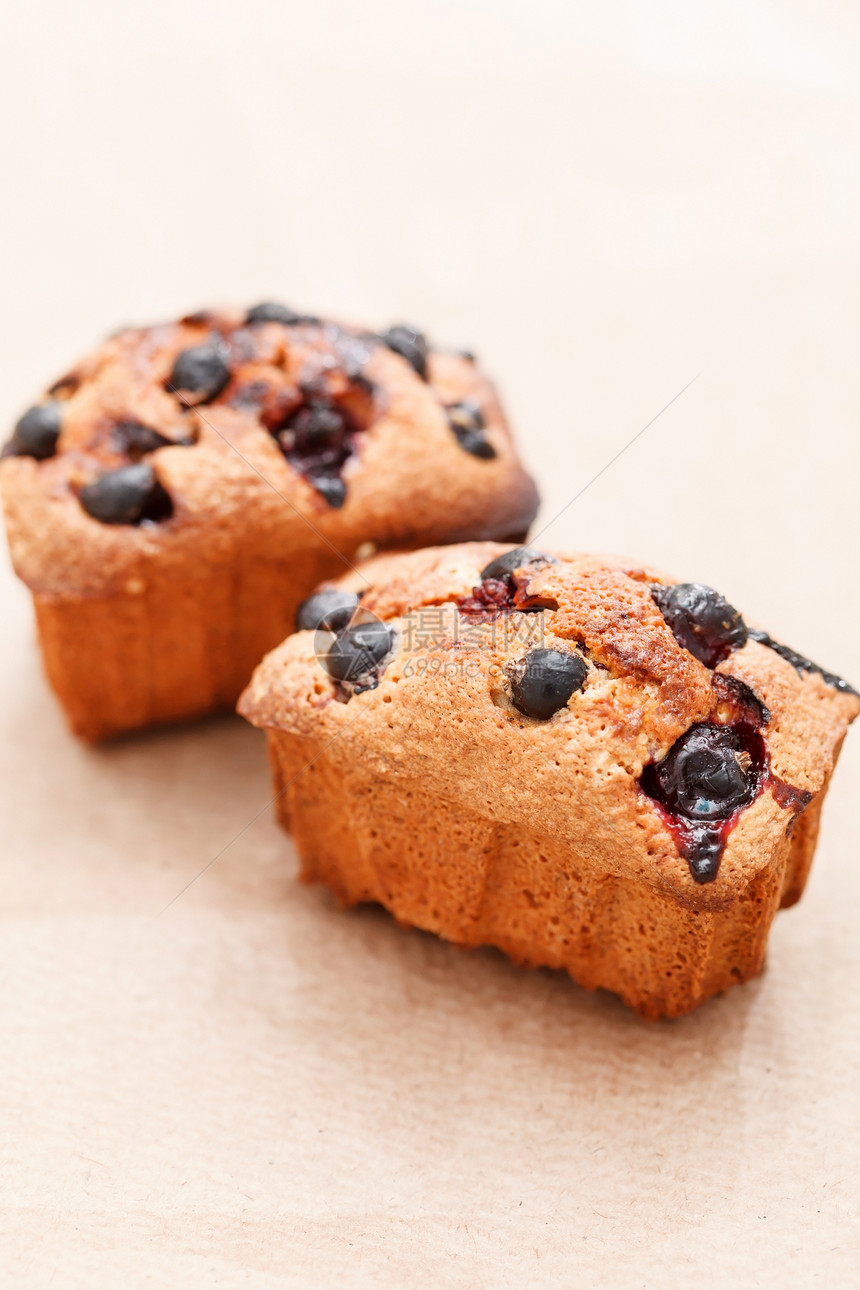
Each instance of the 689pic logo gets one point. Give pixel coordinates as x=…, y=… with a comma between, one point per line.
x=351, y=644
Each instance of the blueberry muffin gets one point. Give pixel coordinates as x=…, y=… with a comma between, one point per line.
x=572, y=758
x=171, y=500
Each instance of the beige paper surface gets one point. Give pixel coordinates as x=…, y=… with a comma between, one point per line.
x=251, y=1088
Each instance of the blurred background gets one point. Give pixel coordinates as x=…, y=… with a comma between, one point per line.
x=604, y=202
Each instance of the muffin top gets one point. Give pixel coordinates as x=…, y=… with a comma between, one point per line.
x=264, y=427
x=638, y=717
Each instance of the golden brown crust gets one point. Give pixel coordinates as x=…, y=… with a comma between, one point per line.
x=237, y=501
x=435, y=796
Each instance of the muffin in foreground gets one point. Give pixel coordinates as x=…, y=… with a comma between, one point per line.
x=171, y=500
x=572, y=758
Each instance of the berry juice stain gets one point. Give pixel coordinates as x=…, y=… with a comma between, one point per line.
x=317, y=441
x=708, y=777
x=490, y=598
x=789, y=797
x=497, y=591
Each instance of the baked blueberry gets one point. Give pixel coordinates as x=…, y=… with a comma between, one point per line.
x=357, y=653
x=136, y=439
x=703, y=850
x=799, y=662
x=543, y=681
x=409, y=343
x=505, y=564
x=329, y=610
x=316, y=440
x=127, y=496
x=271, y=312
x=467, y=421
x=331, y=487
x=36, y=433
x=200, y=370
x=702, y=621
x=708, y=775
x=477, y=444
x=739, y=702
x=709, y=772
x=317, y=425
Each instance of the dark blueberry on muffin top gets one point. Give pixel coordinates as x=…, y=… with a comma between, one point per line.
x=506, y=563
x=409, y=343
x=126, y=496
x=357, y=653
x=201, y=371
x=702, y=621
x=271, y=312
x=709, y=772
x=800, y=662
x=330, y=610
x=467, y=422
x=36, y=433
x=544, y=680
x=136, y=439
